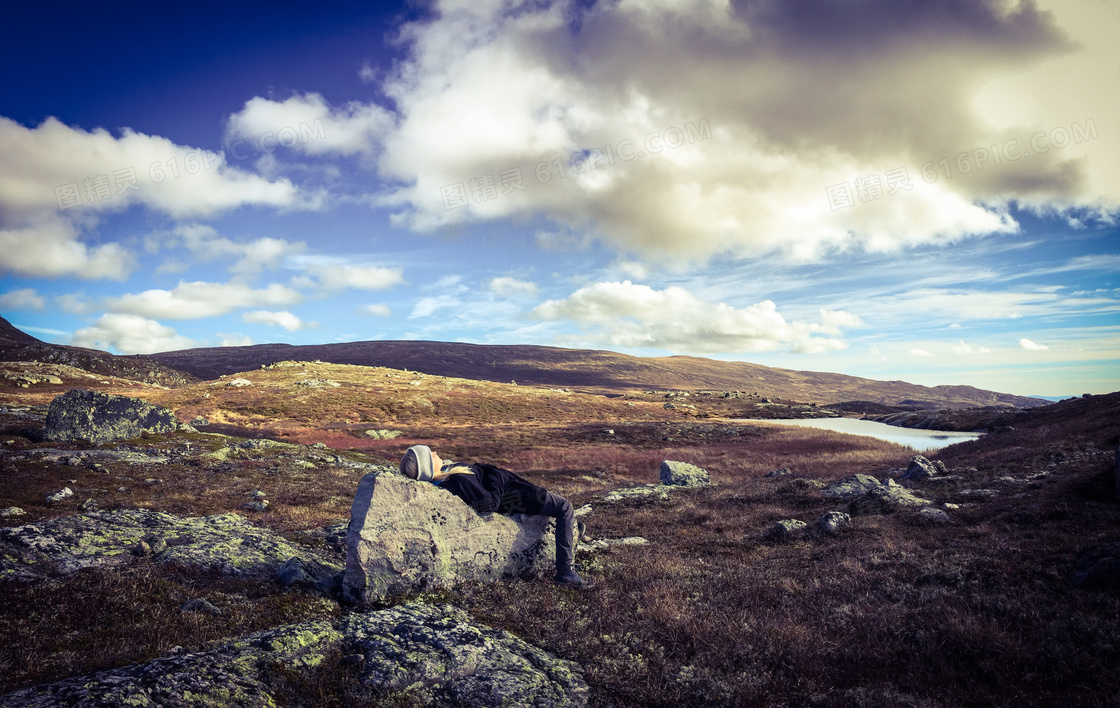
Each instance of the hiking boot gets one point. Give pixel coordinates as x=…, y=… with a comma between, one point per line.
x=571, y=579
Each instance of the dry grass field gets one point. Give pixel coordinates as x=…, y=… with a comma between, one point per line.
x=896, y=610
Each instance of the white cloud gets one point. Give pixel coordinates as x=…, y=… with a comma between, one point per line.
x=367, y=73
x=307, y=124
x=962, y=348
x=376, y=310
x=56, y=181
x=427, y=306
x=75, y=303
x=1027, y=344
x=235, y=340
x=355, y=277
x=512, y=287
x=22, y=299
x=766, y=108
x=130, y=334
x=195, y=300
x=920, y=352
x=283, y=319
x=204, y=243
x=629, y=315
x=47, y=245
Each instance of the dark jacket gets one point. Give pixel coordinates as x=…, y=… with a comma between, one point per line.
x=492, y=488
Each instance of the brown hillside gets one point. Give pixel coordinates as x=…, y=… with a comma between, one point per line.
x=598, y=371
x=17, y=346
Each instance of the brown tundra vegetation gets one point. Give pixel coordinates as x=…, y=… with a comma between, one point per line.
x=971, y=608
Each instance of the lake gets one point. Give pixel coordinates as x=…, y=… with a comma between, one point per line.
x=912, y=437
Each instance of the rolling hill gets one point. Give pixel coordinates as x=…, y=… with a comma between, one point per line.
x=591, y=371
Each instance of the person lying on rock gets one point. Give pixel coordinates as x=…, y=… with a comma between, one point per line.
x=486, y=488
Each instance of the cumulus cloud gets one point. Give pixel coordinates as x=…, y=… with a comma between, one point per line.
x=198, y=299
x=1030, y=346
x=512, y=287
x=729, y=137
x=330, y=276
x=130, y=334
x=629, y=315
x=920, y=352
x=57, y=180
x=283, y=319
x=307, y=124
x=47, y=245
x=22, y=299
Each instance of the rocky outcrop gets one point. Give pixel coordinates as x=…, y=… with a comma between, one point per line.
x=100, y=417
x=437, y=653
x=919, y=470
x=885, y=499
x=226, y=542
x=426, y=654
x=786, y=530
x=406, y=535
x=1098, y=567
x=683, y=474
x=833, y=522
x=852, y=486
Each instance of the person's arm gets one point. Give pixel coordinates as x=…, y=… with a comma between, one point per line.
x=493, y=481
x=480, y=494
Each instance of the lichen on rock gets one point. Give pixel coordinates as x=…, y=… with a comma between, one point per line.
x=101, y=417
x=435, y=653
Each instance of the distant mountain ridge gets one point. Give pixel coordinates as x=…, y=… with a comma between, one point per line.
x=16, y=345
x=592, y=370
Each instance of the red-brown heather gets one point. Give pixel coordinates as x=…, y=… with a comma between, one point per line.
x=896, y=610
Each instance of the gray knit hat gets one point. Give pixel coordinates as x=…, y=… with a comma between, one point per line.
x=417, y=463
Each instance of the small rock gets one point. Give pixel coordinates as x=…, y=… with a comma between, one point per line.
x=238, y=383
x=12, y=511
x=786, y=530
x=200, y=422
x=936, y=516
x=260, y=505
x=832, y=522
x=683, y=474
x=979, y=492
x=88, y=505
x=585, y=509
x=780, y=472
x=1098, y=567
x=59, y=496
x=852, y=486
x=200, y=605
x=382, y=434
x=919, y=470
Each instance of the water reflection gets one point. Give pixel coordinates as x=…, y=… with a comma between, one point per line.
x=911, y=437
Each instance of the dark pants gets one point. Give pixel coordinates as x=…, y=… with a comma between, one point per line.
x=561, y=509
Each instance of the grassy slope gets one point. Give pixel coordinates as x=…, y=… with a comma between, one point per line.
x=893, y=612
x=590, y=370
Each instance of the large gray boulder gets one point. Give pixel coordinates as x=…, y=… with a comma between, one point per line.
x=101, y=417
x=406, y=535
x=683, y=474
x=433, y=655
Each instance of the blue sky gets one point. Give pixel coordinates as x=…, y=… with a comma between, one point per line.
x=917, y=191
